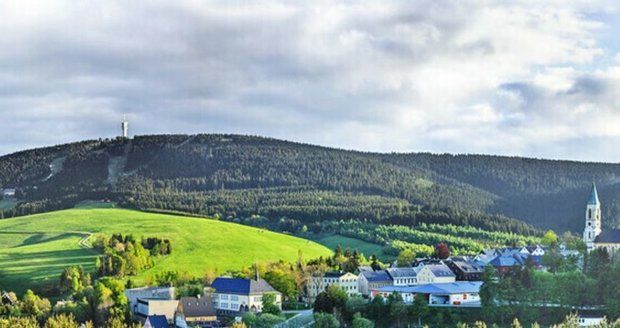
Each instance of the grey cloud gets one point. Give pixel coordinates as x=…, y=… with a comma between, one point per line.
x=369, y=75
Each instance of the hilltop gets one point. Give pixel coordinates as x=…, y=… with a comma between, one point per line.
x=240, y=176
x=36, y=248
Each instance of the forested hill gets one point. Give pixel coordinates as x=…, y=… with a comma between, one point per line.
x=241, y=176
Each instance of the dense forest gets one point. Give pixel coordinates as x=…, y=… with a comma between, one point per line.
x=241, y=176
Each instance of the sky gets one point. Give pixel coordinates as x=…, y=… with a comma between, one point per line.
x=520, y=78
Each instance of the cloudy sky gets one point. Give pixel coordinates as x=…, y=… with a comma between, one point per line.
x=528, y=78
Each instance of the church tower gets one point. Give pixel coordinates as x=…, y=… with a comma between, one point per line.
x=593, y=219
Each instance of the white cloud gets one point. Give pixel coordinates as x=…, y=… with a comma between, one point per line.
x=511, y=77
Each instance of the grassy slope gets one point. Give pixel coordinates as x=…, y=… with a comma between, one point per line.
x=37, y=247
x=364, y=247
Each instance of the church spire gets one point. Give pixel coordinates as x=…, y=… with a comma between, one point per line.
x=593, y=200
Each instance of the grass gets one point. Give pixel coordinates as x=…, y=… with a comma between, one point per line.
x=332, y=241
x=36, y=248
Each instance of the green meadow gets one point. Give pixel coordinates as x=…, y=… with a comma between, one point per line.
x=332, y=241
x=37, y=247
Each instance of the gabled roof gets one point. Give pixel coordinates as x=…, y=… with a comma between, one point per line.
x=374, y=276
x=225, y=285
x=440, y=270
x=197, y=307
x=593, y=199
x=504, y=261
x=334, y=274
x=402, y=272
x=157, y=321
x=457, y=287
x=467, y=266
x=608, y=236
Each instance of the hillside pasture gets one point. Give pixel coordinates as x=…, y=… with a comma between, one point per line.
x=36, y=248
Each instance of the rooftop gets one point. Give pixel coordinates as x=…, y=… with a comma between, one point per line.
x=225, y=285
x=373, y=276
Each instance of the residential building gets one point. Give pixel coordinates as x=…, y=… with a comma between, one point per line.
x=146, y=301
x=345, y=280
x=505, y=263
x=453, y=294
x=372, y=280
x=145, y=308
x=156, y=321
x=234, y=295
x=407, y=276
x=589, y=320
x=434, y=273
x=8, y=192
x=465, y=269
x=197, y=311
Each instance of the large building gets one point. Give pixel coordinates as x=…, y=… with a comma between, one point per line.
x=345, y=280
x=593, y=235
x=232, y=296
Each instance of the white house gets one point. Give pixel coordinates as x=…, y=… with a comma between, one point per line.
x=453, y=294
x=589, y=320
x=368, y=280
x=139, y=300
x=145, y=308
x=435, y=273
x=345, y=280
x=234, y=295
x=403, y=276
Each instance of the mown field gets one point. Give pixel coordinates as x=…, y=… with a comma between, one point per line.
x=366, y=248
x=37, y=247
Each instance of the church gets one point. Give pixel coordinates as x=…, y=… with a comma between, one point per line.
x=593, y=234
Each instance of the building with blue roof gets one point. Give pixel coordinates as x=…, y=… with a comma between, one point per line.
x=458, y=293
x=369, y=280
x=156, y=321
x=232, y=296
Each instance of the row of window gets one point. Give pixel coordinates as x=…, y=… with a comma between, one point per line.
x=232, y=297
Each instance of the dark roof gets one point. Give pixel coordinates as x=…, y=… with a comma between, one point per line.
x=467, y=266
x=593, y=199
x=241, y=286
x=440, y=270
x=608, y=236
x=334, y=274
x=505, y=261
x=402, y=272
x=197, y=307
x=374, y=276
x=158, y=321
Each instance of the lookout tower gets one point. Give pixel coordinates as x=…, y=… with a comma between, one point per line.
x=124, y=127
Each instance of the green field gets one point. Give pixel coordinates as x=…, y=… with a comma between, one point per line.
x=37, y=247
x=332, y=241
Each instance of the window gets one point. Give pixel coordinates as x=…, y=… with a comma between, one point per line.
x=589, y=213
x=224, y=306
x=234, y=306
x=234, y=298
x=224, y=297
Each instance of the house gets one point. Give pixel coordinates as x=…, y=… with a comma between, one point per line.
x=505, y=263
x=536, y=250
x=146, y=301
x=452, y=294
x=435, y=273
x=589, y=320
x=197, y=311
x=465, y=269
x=156, y=321
x=403, y=276
x=145, y=308
x=372, y=280
x=345, y=280
x=234, y=295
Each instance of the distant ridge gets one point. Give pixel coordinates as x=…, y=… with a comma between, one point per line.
x=238, y=175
